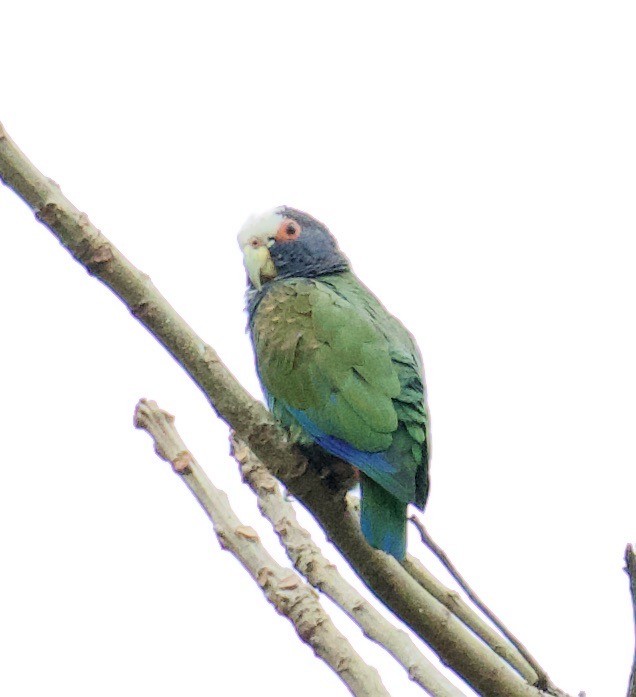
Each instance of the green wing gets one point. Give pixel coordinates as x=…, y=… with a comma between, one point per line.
x=327, y=348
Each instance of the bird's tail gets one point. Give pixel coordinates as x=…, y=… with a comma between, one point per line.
x=382, y=518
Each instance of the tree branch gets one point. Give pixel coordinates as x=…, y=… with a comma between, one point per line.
x=323, y=575
x=456, y=604
x=541, y=677
x=630, y=568
x=282, y=587
x=455, y=645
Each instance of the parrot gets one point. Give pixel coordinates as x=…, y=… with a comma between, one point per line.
x=336, y=368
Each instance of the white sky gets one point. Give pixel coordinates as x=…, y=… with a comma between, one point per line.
x=476, y=163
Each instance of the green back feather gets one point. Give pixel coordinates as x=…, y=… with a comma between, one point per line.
x=327, y=346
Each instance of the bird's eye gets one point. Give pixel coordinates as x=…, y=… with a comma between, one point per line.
x=255, y=242
x=288, y=230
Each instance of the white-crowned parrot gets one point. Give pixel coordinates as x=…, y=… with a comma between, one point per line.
x=336, y=367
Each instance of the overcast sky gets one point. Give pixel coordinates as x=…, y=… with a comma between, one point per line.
x=476, y=162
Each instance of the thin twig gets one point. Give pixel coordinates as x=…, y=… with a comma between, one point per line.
x=452, y=600
x=630, y=568
x=308, y=559
x=543, y=681
x=389, y=582
x=283, y=588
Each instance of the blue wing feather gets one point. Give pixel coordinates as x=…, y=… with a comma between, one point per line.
x=375, y=465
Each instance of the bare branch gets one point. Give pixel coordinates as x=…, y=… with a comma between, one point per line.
x=323, y=575
x=456, y=646
x=543, y=680
x=283, y=588
x=630, y=568
x=455, y=603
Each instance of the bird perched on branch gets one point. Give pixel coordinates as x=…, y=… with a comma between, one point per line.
x=336, y=367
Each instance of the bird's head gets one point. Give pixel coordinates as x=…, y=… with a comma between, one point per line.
x=285, y=242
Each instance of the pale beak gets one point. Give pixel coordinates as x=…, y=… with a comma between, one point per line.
x=258, y=264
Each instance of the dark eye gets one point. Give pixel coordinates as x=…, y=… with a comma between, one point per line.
x=255, y=242
x=288, y=231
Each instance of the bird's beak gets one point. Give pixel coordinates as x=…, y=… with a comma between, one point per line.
x=258, y=264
